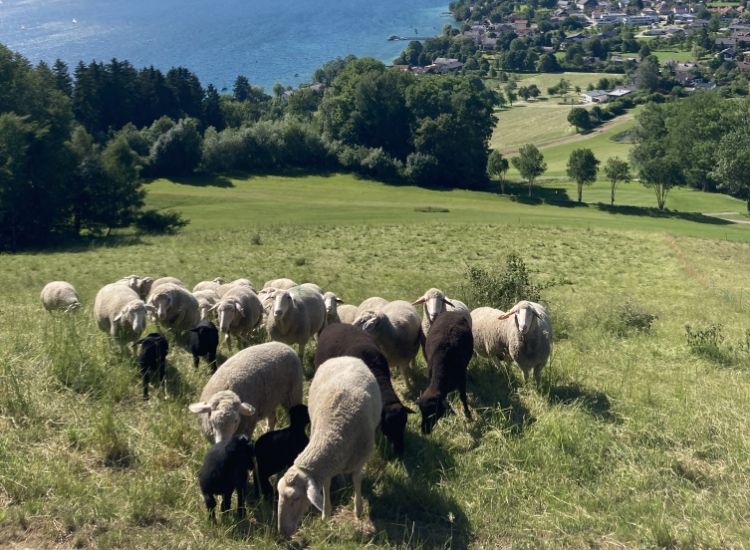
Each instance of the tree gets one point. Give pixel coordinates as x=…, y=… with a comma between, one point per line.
x=530, y=163
x=534, y=91
x=582, y=167
x=647, y=74
x=177, y=152
x=212, y=113
x=616, y=170
x=497, y=166
x=278, y=89
x=241, y=88
x=579, y=117
x=661, y=174
x=645, y=51
x=732, y=169
x=523, y=91
x=511, y=95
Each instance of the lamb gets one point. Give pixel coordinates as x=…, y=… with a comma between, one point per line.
x=339, y=340
x=276, y=451
x=331, y=302
x=175, y=307
x=280, y=284
x=239, y=312
x=60, y=296
x=523, y=334
x=142, y=285
x=347, y=313
x=120, y=312
x=298, y=314
x=247, y=387
x=435, y=303
x=207, y=299
x=204, y=339
x=345, y=405
x=209, y=285
x=448, y=348
x=225, y=471
x=152, y=359
x=397, y=332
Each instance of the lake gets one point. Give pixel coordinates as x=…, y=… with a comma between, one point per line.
x=266, y=40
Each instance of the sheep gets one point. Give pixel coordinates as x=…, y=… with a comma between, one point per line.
x=152, y=359
x=346, y=313
x=312, y=286
x=207, y=299
x=280, y=284
x=486, y=332
x=204, y=339
x=298, y=314
x=60, y=296
x=448, y=348
x=247, y=387
x=142, y=285
x=239, y=312
x=397, y=332
x=345, y=405
x=523, y=335
x=339, y=340
x=209, y=285
x=175, y=307
x=276, y=451
x=225, y=471
x=435, y=303
x=120, y=312
x=222, y=289
x=375, y=303
x=331, y=302
x=165, y=281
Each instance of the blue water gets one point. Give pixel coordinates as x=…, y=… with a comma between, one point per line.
x=266, y=40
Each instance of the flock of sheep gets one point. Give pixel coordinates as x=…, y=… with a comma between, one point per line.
x=350, y=395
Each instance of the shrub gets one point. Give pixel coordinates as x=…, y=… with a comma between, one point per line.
x=153, y=222
x=707, y=342
x=502, y=289
x=379, y=164
x=421, y=168
x=626, y=317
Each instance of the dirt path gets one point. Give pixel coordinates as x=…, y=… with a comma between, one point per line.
x=723, y=216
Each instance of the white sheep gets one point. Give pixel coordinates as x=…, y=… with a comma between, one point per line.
x=207, y=299
x=280, y=284
x=344, y=404
x=142, y=285
x=331, y=302
x=313, y=286
x=298, y=314
x=60, y=296
x=261, y=377
x=239, y=312
x=375, y=303
x=222, y=289
x=209, y=285
x=347, y=313
x=119, y=311
x=523, y=335
x=435, y=302
x=165, y=281
x=174, y=307
x=397, y=332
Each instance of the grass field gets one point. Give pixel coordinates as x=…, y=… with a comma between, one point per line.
x=665, y=55
x=635, y=438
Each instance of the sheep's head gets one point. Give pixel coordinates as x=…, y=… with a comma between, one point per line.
x=299, y=417
x=224, y=410
x=228, y=311
x=331, y=301
x=219, y=280
x=160, y=302
x=144, y=286
x=369, y=321
x=72, y=308
x=393, y=423
x=282, y=302
x=433, y=409
x=133, y=315
x=434, y=303
x=524, y=316
x=297, y=490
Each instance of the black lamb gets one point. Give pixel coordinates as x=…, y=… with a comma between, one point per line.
x=225, y=471
x=152, y=359
x=449, y=348
x=341, y=339
x=275, y=451
x=204, y=339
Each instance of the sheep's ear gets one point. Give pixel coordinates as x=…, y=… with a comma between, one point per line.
x=339, y=301
x=150, y=307
x=199, y=408
x=117, y=317
x=420, y=301
x=239, y=308
x=246, y=409
x=448, y=302
x=508, y=314
x=213, y=307
x=315, y=494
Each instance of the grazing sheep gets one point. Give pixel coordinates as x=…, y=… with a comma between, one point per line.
x=298, y=314
x=449, y=348
x=225, y=471
x=60, y=296
x=175, y=307
x=435, y=303
x=239, y=312
x=345, y=405
x=209, y=285
x=165, y=281
x=339, y=340
x=347, y=313
x=397, y=332
x=247, y=387
x=142, y=285
x=280, y=284
x=120, y=312
x=276, y=451
x=152, y=359
x=204, y=339
x=375, y=303
x=221, y=290
x=331, y=302
x=207, y=299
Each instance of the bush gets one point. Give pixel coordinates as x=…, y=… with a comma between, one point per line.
x=421, y=168
x=380, y=165
x=501, y=290
x=625, y=318
x=153, y=222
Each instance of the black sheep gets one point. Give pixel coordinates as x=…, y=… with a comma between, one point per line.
x=224, y=471
x=275, y=451
x=204, y=339
x=340, y=339
x=152, y=359
x=448, y=348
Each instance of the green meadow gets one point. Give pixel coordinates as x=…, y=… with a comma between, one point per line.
x=637, y=436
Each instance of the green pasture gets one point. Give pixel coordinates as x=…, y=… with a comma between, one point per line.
x=637, y=437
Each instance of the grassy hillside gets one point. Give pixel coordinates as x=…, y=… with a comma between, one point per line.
x=635, y=439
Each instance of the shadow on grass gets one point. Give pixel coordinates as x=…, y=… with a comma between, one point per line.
x=493, y=386
x=556, y=196
x=594, y=402
x=656, y=213
x=203, y=180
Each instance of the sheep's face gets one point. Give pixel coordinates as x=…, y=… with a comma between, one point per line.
x=524, y=319
x=432, y=408
x=282, y=303
x=204, y=306
x=434, y=307
x=393, y=424
x=133, y=315
x=228, y=311
x=297, y=490
x=330, y=301
x=161, y=303
x=368, y=321
x=224, y=411
x=219, y=280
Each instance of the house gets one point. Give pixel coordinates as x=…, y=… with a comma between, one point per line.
x=721, y=43
x=445, y=64
x=595, y=96
x=641, y=19
x=619, y=92
x=620, y=60
x=727, y=54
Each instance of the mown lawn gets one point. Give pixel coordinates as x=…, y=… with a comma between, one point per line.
x=635, y=439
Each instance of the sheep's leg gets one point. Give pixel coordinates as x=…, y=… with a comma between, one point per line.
x=462, y=392
x=302, y=353
x=525, y=376
x=241, y=499
x=196, y=361
x=357, y=482
x=144, y=379
x=212, y=361
x=226, y=502
x=538, y=375
x=228, y=340
x=327, y=506
x=210, y=501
